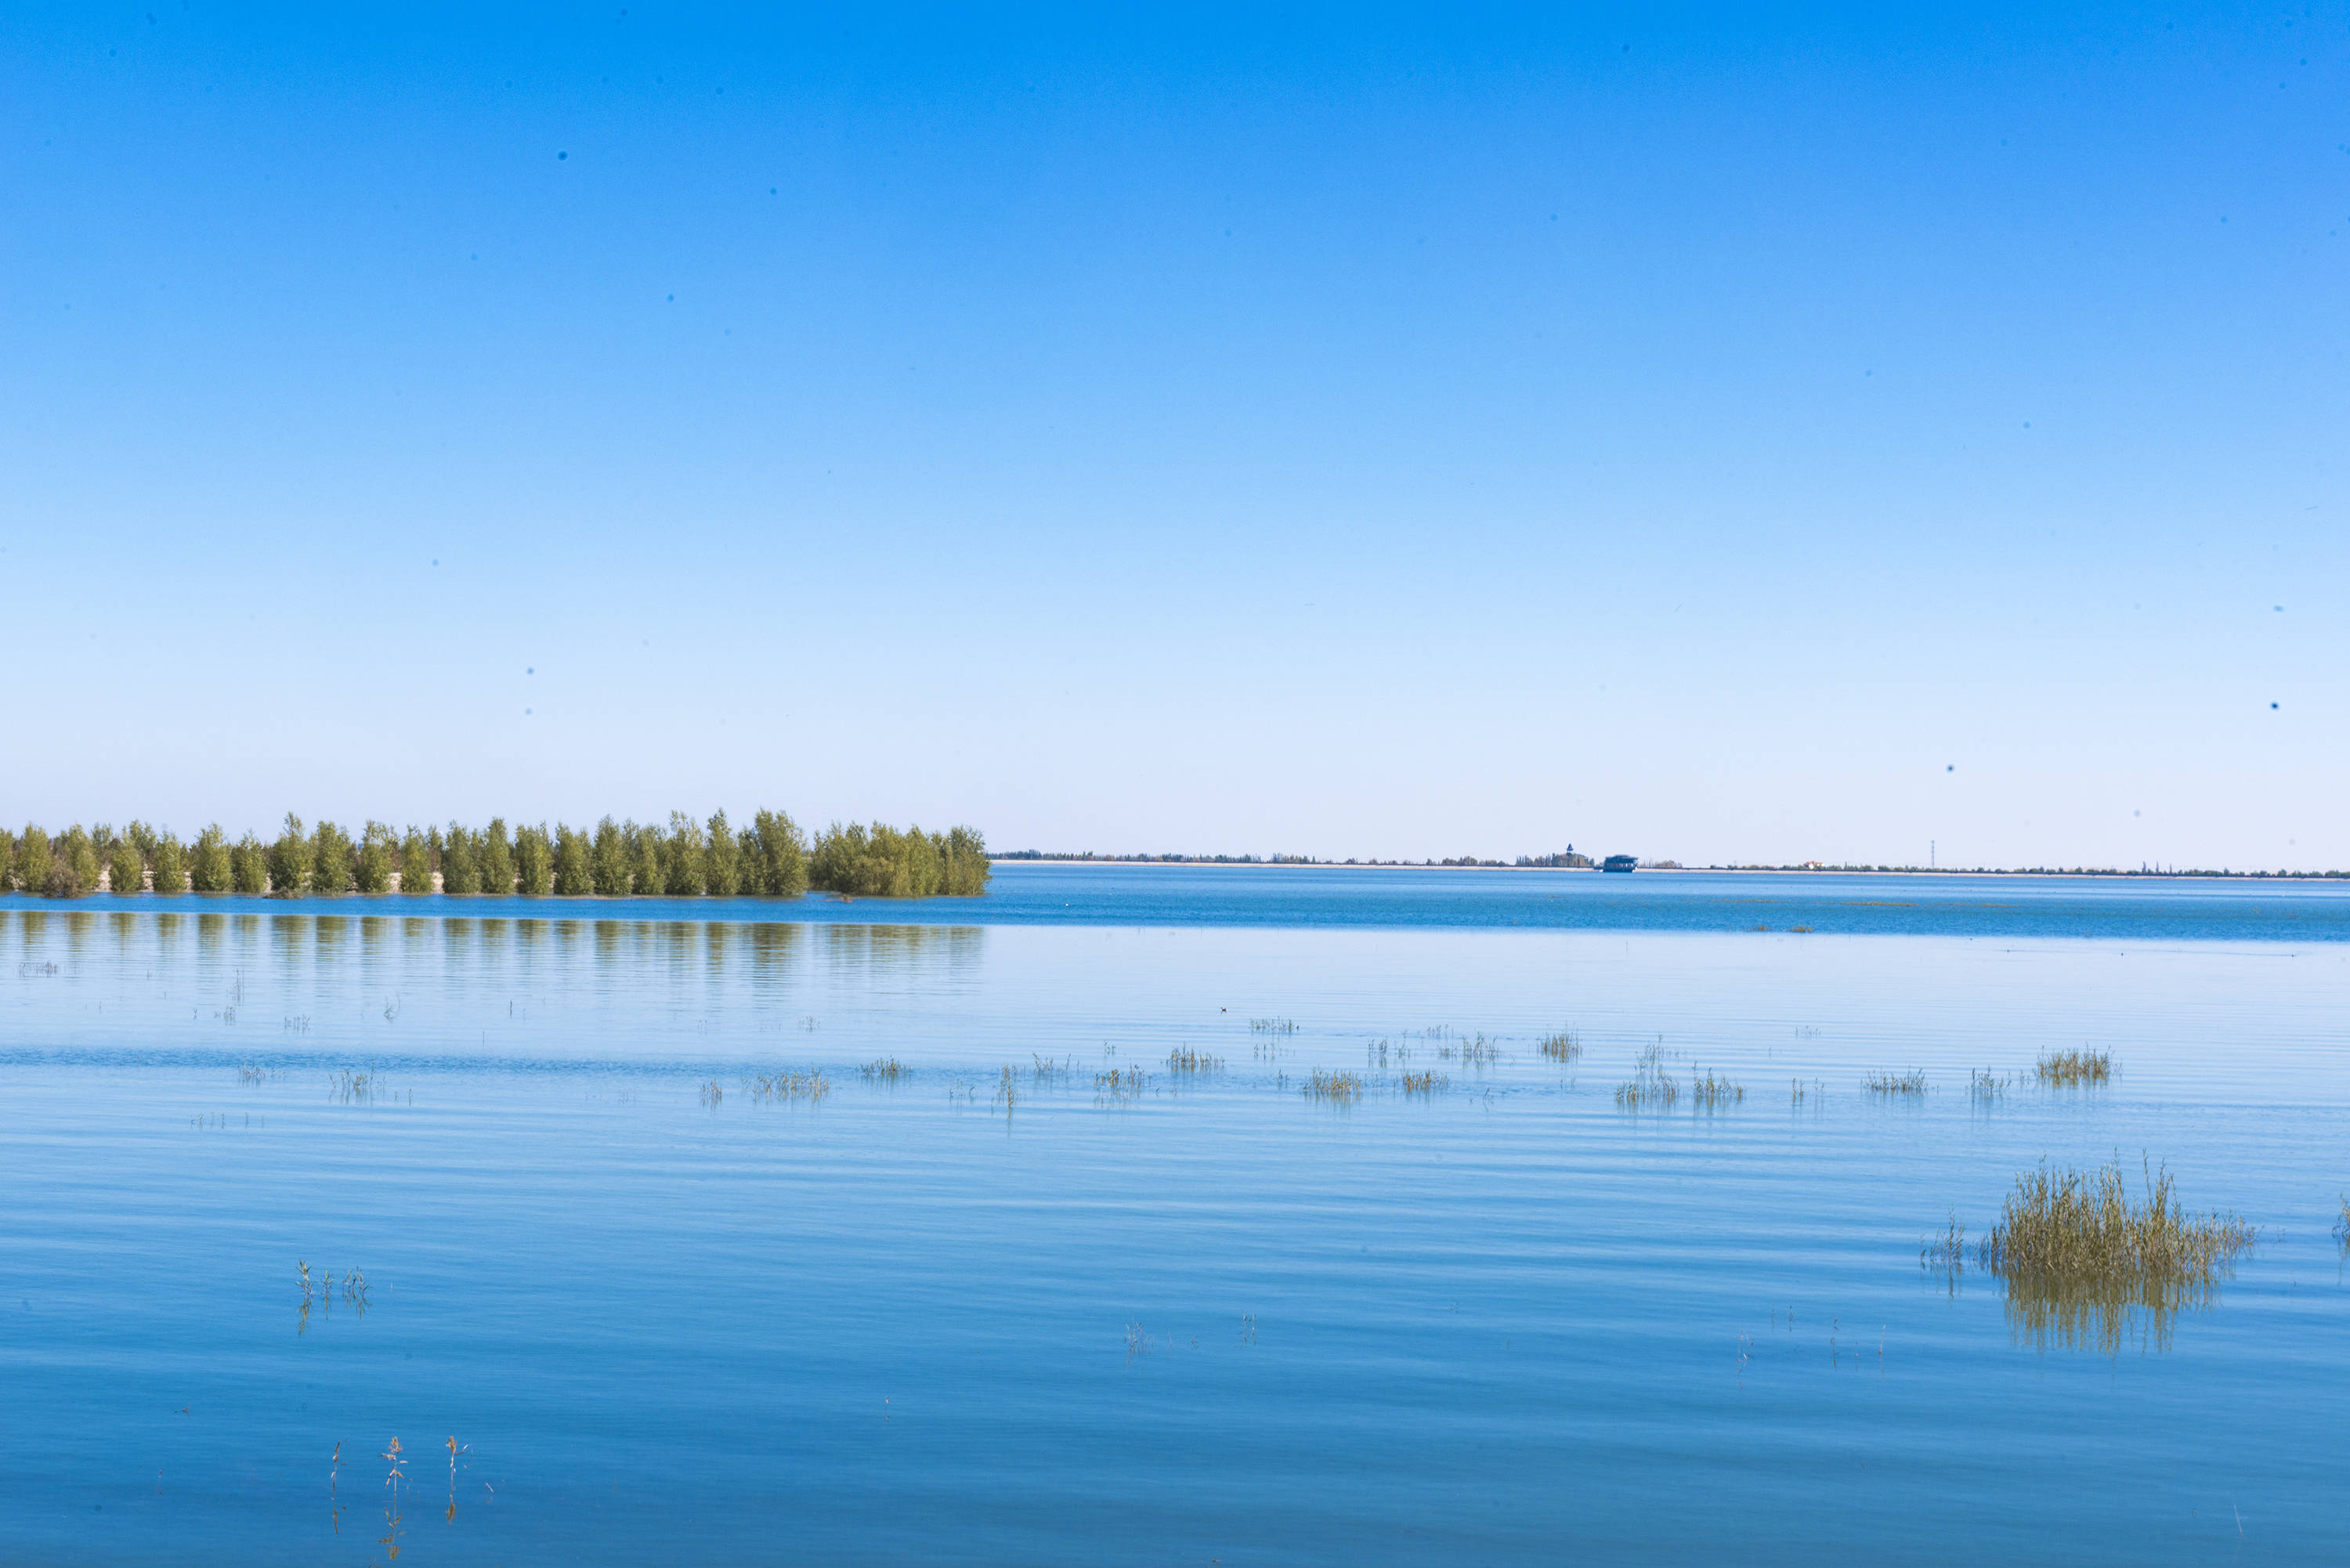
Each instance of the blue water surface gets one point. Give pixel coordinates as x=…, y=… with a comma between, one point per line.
x=970, y=1232
x=1106, y=893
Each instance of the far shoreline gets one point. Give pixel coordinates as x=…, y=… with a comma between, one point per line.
x=2110, y=873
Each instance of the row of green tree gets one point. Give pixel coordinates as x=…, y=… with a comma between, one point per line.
x=771, y=857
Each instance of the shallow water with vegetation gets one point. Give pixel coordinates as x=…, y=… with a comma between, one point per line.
x=1163, y=1215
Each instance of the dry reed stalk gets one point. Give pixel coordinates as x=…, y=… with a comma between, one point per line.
x=1338, y=1088
x=2071, y=1069
x=1910, y=1083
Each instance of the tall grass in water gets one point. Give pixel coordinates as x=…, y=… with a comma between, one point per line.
x=1336, y=1088
x=1474, y=1049
x=1117, y=1084
x=1652, y=1086
x=2071, y=1069
x=1713, y=1093
x=1183, y=1059
x=1427, y=1083
x=807, y=1087
x=1562, y=1046
x=1910, y=1083
x=2083, y=1263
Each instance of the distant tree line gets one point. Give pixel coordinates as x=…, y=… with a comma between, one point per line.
x=684, y=859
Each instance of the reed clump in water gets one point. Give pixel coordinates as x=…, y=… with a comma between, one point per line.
x=809, y=1087
x=886, y=1070
x=2084, y=1261
x=1910, y=1083
x=1562, y=1046
x=1119, y=1083
x=1272, y=1026
x=1427, y=1083
x=1713, y=1091
x=1336, y=1088
x=1651, y=1087
x=2071, y=1069
x=1474, y=1049
x=1183, y=1059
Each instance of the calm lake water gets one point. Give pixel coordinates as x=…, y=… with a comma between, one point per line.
x=671, y=1308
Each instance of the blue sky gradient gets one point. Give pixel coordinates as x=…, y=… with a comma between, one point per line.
x=1729, y=435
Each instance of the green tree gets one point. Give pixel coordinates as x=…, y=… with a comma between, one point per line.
x=494, y=858
x=884, y=862
x=289, y=860
x=372, y=873
x=170, y=867
x=33, y=858
x=126, y=873
x=721, y=861
x=610, y=860
x=533, y=861
x=575, y=863
x=967, y=866
x=874, y=862
x=644, y=860
x=839, y=863
x=208, y=864
x=415, y=863
x=331, y=859
x=78, y=851
x=775, y=857
x=144, y=837
x=248, y=865
x=683, y=856
x=460, y=869
x=7, y=861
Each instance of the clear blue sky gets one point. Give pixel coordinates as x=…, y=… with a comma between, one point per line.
x=1729, y=435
